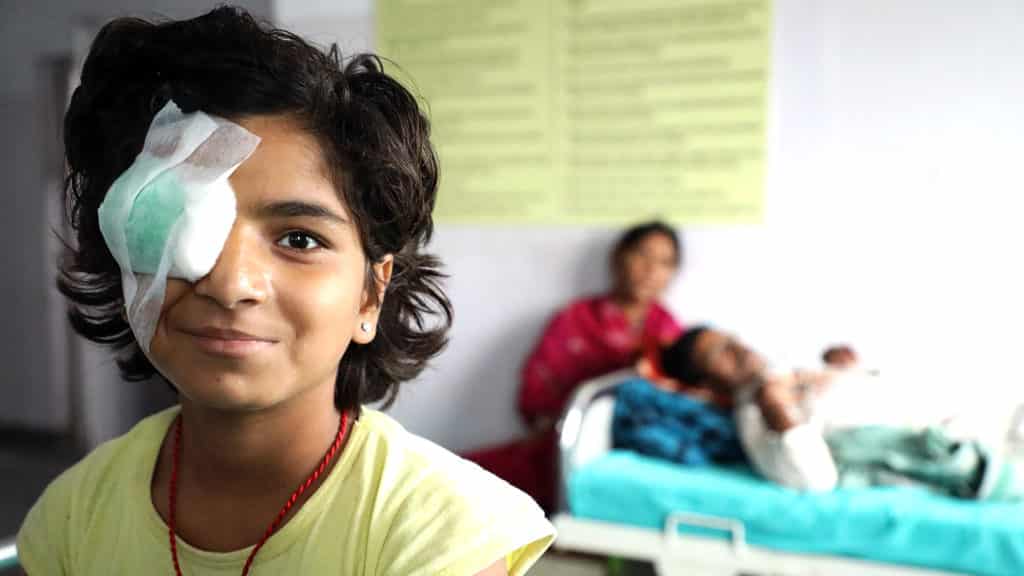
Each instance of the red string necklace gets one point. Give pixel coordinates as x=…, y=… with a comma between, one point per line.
x=176, y=459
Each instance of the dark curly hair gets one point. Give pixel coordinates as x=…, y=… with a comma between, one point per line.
x=225, y=63
x=678, y=361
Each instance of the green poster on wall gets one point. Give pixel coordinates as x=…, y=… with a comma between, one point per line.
x=589, y=111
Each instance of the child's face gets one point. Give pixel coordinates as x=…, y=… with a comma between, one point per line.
x=287, y=295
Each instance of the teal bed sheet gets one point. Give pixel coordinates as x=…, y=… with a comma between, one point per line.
x=896, y=525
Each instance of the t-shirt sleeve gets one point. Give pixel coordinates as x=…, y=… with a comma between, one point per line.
x=42, y=539
x=459, y=521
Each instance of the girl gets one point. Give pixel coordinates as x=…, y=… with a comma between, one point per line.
x=275, y=325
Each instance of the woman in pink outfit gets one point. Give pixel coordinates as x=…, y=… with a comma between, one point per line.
x=591, y=337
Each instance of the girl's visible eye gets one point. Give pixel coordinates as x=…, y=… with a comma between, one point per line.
x=298, y=240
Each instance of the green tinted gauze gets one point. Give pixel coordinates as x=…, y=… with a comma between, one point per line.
x=158, y=206
x=170, y=213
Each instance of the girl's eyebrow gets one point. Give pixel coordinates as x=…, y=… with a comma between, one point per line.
x=295, y=208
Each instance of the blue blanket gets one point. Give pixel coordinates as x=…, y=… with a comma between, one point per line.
x=672, y=426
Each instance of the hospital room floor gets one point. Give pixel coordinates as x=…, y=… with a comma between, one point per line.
x=28, y=463
x=558, y=564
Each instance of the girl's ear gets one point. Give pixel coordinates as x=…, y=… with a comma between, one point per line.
x=366, y=320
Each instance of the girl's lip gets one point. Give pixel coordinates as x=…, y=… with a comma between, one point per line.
x=225, y=334
x=229, y=342
x=232, y=348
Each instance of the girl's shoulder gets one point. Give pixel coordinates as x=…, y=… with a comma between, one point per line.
x=389, y=445
x=114, y=462
x=430, y=495
x=101, y=481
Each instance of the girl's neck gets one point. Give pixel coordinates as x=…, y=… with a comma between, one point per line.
x=253, y=453
x=237, y=469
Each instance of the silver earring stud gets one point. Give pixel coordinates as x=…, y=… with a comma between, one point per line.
x=365, y=327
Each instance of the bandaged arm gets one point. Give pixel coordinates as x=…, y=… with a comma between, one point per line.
x=797, y=457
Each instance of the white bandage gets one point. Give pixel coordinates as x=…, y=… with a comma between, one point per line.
x=170, y=212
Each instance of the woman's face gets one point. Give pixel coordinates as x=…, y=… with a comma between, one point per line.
x=647, y=268
x=287, y=294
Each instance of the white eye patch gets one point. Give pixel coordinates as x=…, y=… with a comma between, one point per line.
x=170, y=212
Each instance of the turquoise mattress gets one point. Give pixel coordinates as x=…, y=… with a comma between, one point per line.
x=903, y=525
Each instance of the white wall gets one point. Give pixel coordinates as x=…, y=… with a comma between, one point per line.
x=892, y=208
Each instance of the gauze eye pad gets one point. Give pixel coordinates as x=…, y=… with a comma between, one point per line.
x=170, y=212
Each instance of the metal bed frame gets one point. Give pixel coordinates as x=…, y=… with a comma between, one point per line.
x=585, y=433
x=8, y=553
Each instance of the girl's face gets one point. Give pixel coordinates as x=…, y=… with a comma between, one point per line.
x=288, y=293
x=647, y=268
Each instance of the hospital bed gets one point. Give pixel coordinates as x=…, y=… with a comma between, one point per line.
x=719, y=521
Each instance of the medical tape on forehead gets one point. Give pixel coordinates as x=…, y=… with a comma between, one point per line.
x=170, y=213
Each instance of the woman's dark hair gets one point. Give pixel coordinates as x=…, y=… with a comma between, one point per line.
x=225, y=63
x=636, y=234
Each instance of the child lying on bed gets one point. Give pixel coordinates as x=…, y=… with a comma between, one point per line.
x=816, y=430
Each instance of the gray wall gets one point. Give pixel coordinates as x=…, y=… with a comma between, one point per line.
x=46, y=371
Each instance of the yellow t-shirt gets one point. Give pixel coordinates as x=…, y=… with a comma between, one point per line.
x=394, y=504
